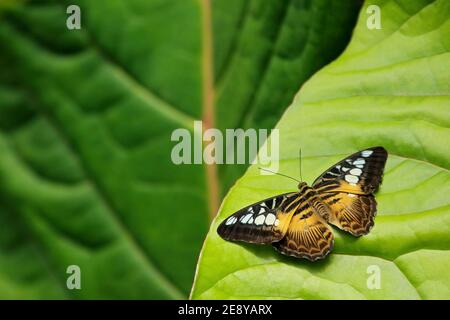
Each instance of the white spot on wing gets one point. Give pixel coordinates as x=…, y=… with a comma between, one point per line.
x=262, y=210
x=270, y=219
x=359, y=161
x=356, y=172
x=277, y=222
x=366, y=153
x=351, y=179
x=245, y=218
x=231, y=220
x=260, y=219
x=345, y=169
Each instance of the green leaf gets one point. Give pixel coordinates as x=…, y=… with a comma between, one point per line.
x=390, y=87
x=280, y=45
x=86, y=118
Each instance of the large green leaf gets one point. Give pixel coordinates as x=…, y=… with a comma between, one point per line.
x=86, y=118
x=390, y=87
x=293, y=40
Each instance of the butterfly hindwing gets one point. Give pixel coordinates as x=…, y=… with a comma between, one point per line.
x=263, y=222
x=308, y=235
x=354, y=213
x=359, y=173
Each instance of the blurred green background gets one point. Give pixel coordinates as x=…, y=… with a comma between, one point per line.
x=85, y=122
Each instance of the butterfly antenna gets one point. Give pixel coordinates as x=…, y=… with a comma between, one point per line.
x=280, y=174
x=300, y=162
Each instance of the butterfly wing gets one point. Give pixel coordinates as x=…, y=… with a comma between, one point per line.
x=354, y=213
x=359, y=173
x=347, y=189
x=308, y=235
x=263, y=222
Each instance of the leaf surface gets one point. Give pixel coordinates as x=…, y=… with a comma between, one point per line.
x=390, y=87
x=86, y=118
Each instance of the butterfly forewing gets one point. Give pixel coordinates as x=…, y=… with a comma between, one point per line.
x=359, y=173
x=263, y=222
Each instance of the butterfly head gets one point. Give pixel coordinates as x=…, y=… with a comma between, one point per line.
x=301, y=185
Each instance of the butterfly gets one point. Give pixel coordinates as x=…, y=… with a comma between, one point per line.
x=298, y=223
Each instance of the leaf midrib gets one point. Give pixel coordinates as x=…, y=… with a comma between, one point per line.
x=171, y=111
x=157, y=104
x=208, y=105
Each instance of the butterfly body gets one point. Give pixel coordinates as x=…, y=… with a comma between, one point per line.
x=298, y=223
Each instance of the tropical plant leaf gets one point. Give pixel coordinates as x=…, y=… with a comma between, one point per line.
x=390, y=87
x=86, y=118
x=279, y=46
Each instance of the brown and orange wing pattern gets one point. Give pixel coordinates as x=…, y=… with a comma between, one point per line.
x=263, y=222
x=347, y=188
x=354, y=213
x=296, y=223
x=308, y=236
